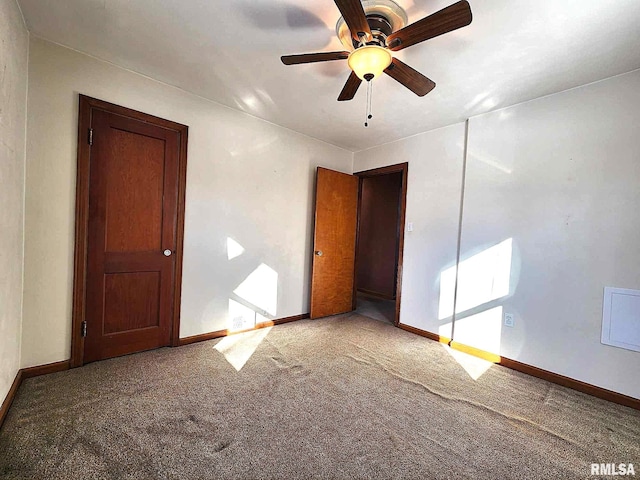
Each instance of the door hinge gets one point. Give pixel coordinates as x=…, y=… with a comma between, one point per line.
x=90, y=137
x=83, y=329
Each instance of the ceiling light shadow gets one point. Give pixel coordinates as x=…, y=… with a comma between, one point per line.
x=276, y=17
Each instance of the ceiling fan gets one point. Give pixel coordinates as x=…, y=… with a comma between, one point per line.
x=374, y=29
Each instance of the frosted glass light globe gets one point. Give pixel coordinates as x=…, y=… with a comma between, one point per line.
x=369, y=60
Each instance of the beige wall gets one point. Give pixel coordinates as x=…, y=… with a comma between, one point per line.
x=555, y=179
x=14, y=50
x=248, y=181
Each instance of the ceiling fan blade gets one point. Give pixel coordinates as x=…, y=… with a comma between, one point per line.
x=446, y=20
x=410, y=78
x=313, y=57
x=350, y=88
x=355, y=18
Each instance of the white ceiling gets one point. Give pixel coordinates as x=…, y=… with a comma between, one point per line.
x=229, y=51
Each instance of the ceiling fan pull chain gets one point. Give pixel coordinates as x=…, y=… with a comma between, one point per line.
x=369, y=94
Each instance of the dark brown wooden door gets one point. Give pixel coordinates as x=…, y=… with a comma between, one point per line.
x=133, y=205
x=334, y=243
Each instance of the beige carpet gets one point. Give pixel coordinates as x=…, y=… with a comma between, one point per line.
x=344, y=397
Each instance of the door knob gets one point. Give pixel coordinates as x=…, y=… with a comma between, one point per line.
x=319, y=253
x=167, y=253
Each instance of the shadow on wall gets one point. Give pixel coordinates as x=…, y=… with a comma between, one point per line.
x=484, y=281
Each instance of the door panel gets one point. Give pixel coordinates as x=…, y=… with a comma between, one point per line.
x=131, y=301
x=132, y=220
x=334, y=236
x=134, y=193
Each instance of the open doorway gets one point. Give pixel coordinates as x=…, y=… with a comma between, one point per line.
x=342, y=226
x=379, y=242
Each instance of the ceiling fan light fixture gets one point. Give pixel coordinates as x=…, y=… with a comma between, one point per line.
x=369, y=61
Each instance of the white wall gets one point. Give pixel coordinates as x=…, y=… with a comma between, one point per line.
x=559, y=177
x=14, y=51
x=247, y=180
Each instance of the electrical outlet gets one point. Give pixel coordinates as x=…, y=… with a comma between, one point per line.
x=509, y=320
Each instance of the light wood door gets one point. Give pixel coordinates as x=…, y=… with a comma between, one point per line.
x=334, y=243
x=133, y=206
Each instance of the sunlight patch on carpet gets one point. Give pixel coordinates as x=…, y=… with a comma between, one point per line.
x=238, y=349
x=474, y=366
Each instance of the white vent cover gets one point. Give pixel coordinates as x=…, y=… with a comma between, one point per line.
x=621, y=318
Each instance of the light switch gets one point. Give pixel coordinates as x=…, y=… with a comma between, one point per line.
x=410, y=227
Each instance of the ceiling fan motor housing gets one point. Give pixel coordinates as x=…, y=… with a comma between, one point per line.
x=380, y=30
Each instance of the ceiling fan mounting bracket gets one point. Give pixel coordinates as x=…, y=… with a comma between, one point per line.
x=383, y=16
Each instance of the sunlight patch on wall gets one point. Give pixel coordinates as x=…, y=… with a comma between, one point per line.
x=260, y=288
x=481, y=278
x=238, y=349
x=482, y=330
x=240, y=317
x=445, y=330
x=474, y=366
x=234, y=249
